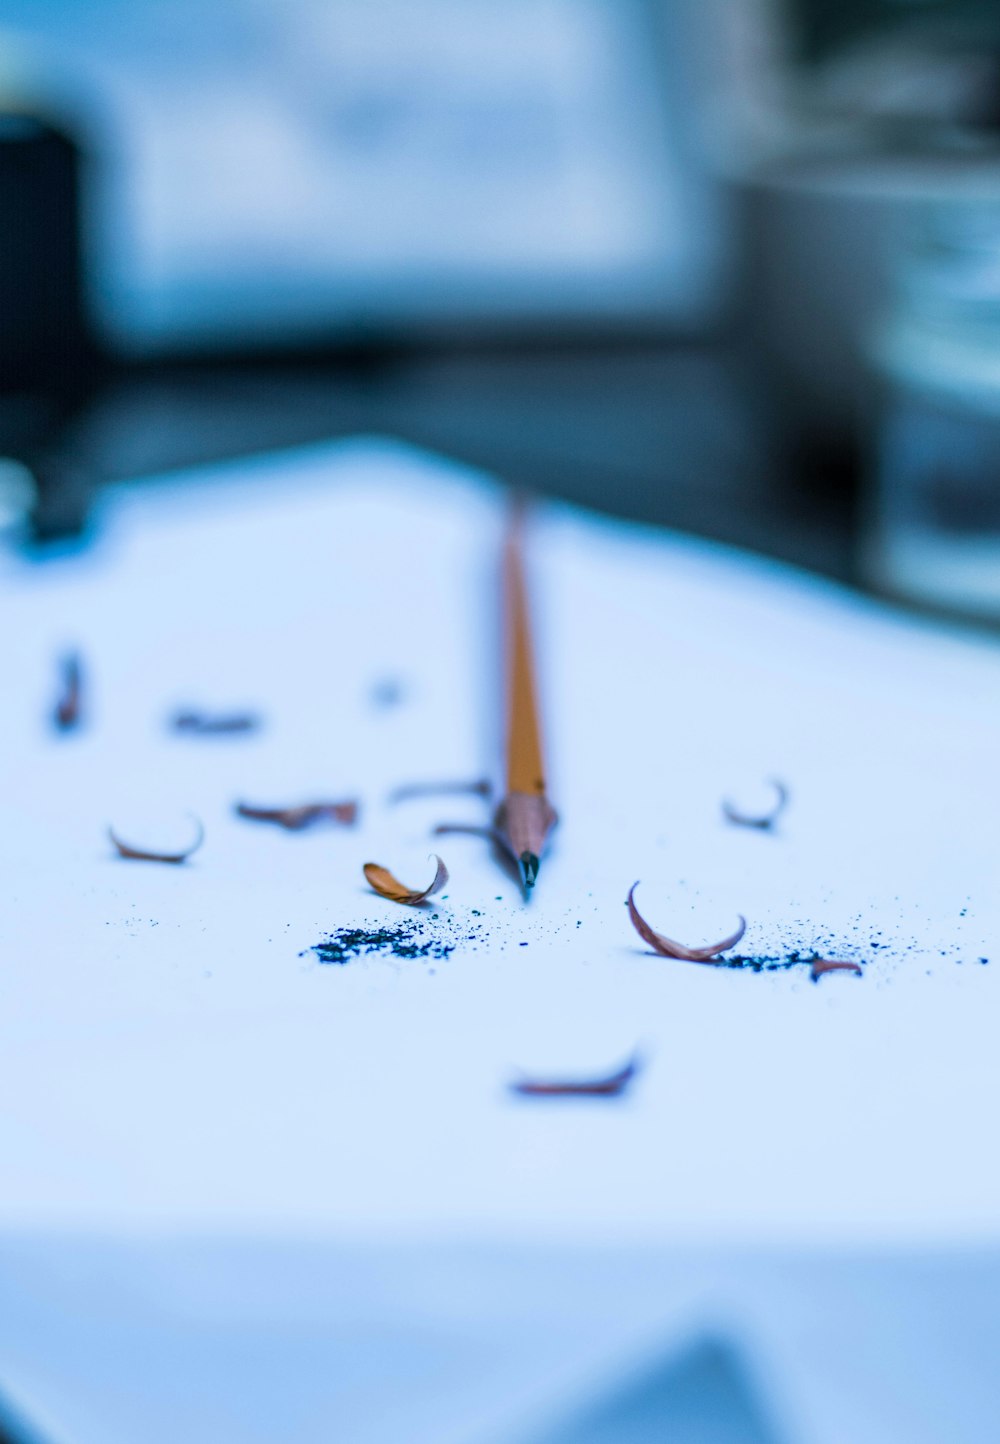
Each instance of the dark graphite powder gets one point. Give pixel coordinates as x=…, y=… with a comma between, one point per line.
x=769, y=963
x=429, y=936
x=404, y=940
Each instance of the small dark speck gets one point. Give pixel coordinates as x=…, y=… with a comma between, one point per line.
x=498, y=898
x=984, y=960
x=522, y=945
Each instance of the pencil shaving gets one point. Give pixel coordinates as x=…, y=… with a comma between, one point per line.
x=667, y=948
x=67, y=712
x=381, y=880
x=764, y=821
x=140, y=854
x=207, y=724
x=296, y=819
x=611, y=1086
x=481, y=787
x=825, y=965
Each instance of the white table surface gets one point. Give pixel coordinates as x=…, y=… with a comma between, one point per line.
x=195, y=1113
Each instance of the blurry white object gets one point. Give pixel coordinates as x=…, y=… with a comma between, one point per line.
x=177, y=1063
x=936, y=505
x=821, y=232
x=294, y=169
x=826, y=161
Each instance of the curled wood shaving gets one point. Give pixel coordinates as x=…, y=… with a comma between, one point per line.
x=381, y=880
x=66, y=714
x=764, y=821
x=140, y=854
x=612, y=1086
x=207, y=724
x=825, y=965
x=295, y=819
x=667, y=948
x=481, y=788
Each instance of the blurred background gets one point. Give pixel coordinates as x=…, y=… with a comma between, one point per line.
x=731, y=266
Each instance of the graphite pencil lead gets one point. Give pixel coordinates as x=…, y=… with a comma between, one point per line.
x=528, y=863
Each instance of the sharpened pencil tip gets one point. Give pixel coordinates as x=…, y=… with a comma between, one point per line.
x=528, y=863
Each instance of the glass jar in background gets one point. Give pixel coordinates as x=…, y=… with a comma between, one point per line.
x=934, y=536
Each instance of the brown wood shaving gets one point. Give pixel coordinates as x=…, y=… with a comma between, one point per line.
x=667, y=948
x=68, y=709
x=295, y=819
x=826, y=965
x=140, y=854
x=612, y=1086
x=381, y=880
x=764, y=821
x=482, y=787
x=206, y=724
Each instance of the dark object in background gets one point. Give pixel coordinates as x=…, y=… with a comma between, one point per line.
x=50, y=362
x=45, y=341
x=820, y=27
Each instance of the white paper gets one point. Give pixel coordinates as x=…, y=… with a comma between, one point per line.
x=170, y=1057
x=176, y=1062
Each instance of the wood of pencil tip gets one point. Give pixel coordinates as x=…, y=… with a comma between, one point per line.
x=525, y=817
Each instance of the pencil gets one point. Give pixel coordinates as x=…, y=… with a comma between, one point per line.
x=525, y=817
